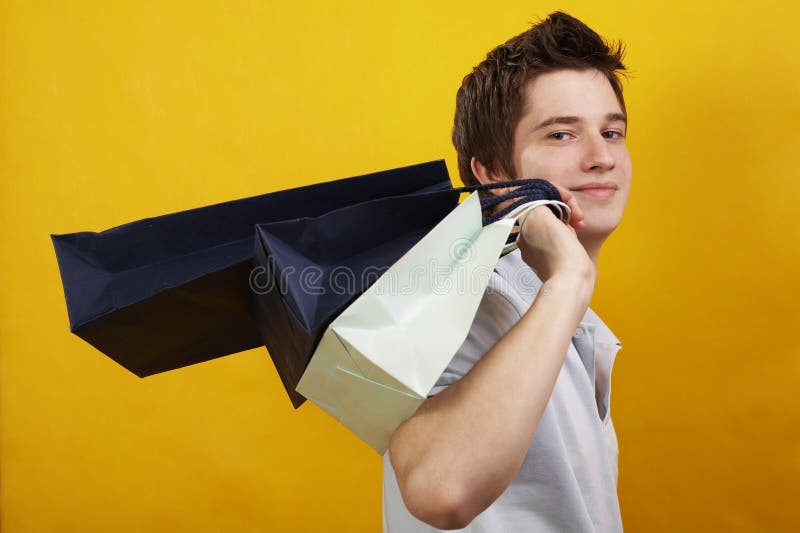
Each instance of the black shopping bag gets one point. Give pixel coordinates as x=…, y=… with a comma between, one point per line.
x=170, y=291
x=309, y=269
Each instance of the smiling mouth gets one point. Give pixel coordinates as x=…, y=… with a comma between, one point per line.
x=597, y=192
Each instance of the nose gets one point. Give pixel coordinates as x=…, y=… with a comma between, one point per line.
x=597, y=155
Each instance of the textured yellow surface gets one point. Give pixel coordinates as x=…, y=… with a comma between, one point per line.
x=115, y=111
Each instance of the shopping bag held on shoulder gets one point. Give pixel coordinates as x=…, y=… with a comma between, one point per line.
x=307, y=270
x=170, y=291
x=380, y=357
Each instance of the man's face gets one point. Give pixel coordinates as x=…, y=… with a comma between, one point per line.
x=572, y=133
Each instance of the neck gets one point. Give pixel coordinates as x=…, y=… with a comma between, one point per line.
x=592, y=245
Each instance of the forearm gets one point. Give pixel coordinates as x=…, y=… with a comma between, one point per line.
x=463, y=447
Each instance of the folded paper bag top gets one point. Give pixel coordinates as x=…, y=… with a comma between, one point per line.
x=170, y=291
x=380, y=357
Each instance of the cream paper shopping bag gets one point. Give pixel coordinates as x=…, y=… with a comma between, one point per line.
x=378, y=360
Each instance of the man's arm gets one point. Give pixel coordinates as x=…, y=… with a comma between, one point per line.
x=463, y=447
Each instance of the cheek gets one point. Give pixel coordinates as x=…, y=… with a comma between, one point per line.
x=557, y=166
x=625, y=168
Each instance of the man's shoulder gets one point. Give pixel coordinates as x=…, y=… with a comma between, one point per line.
x=513, y=280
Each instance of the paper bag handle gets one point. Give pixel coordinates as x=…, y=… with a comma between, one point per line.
x=564, y=215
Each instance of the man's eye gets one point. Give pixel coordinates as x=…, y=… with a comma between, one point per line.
x=559, y=135
x=613, y=134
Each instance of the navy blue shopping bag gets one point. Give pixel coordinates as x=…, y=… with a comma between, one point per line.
x=309, y=269
x=170, y=291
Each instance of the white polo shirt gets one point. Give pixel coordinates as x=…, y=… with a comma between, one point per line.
x=568, y=480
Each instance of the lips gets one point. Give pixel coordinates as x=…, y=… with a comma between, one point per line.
x=597, y=189
x=596, y=185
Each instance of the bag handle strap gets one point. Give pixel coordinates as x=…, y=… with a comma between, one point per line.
x=525, y=192
x=519, y=212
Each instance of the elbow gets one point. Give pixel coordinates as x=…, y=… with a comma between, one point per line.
x=442, y=505
x=430, y=486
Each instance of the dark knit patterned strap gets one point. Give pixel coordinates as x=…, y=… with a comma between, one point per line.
x=527, y=190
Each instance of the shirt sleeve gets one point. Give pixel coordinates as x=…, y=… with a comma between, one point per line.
x=496, y=314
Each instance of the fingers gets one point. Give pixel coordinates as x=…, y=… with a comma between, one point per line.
x=577, y=218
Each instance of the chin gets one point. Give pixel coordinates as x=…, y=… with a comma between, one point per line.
x=596, y=229
x=601, y=218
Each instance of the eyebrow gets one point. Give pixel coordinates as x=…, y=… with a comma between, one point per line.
x=610, y=117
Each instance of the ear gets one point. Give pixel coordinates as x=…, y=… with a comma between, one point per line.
x=486, y=176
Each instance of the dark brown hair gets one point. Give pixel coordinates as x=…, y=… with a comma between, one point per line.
x=491, y=99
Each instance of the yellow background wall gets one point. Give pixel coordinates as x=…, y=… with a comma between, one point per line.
x=114, y=111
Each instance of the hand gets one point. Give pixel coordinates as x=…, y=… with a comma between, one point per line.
x=551, y=247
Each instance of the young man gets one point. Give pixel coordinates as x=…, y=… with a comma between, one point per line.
x=517, y=435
